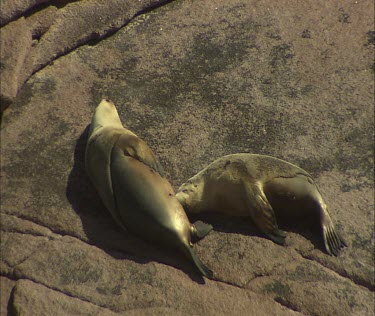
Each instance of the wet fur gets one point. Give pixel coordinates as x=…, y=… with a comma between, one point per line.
x=132, y=186
x=258, y=186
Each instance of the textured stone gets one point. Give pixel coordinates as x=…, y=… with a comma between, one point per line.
x=197, y=80
x=12, y=9
x=41, y=21
x=6, y=287
x=15, y=47
x=16, y=248
x=58, y=31
x=294, y=284
x=29, y=296
x=82, y=21
x=122, y=283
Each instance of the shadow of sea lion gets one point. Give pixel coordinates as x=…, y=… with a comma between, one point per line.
x=102, y=230
x=307, y=226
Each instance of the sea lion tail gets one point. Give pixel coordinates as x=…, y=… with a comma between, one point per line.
x=332, y=240
x=200, y=265
x=199, y=230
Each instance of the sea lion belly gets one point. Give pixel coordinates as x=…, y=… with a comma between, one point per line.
x=225, y=197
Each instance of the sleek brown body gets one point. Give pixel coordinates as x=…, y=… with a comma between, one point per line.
x=256, y=186
x=132, y=186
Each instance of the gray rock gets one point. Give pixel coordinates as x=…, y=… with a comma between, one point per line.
x=32, y=297
x=15, y=47
x=41, y=21
x=90, y=274
x=6, y=287
x=13, y=9
x=57, y=32
x=196, y=80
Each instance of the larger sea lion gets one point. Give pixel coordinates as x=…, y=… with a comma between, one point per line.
x=256, y=186
x=131, y=183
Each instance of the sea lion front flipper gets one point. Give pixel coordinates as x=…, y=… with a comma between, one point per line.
x=199, y=230
x=135, y=147
x=262, y=213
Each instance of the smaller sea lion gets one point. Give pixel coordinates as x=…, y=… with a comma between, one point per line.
x=132, y=186
x=256, y=186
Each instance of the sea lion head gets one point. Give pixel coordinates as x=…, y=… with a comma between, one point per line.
x=189, y=196
x=105, y=115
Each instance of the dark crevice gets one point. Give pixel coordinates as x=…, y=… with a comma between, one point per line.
x=286, y=304
x=277, y=299
x=39, y=247
x=353, y=278
x=152, y=7
x=10, y=307
x=228, y=283
x=25, y=218
x=59, y=4
x=112, y=251
x=15, y=231
x=65, y=293
x=95, y=38
x=39, y=7
x=269, y=273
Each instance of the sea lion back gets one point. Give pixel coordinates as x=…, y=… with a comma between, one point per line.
x=262, y=167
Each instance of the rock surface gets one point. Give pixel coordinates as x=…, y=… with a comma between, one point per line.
x=74, y=24
x=15, y=48
x=196, y=80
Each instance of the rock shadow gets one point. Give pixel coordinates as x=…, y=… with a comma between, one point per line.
x=102, y=230
x=227, y=224
x=308, y=227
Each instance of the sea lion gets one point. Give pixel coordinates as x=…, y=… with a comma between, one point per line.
x=256, y=186
x=132, y=185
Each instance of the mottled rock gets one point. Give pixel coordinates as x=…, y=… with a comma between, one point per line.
x=198, y=80
x=29, y=296
x=6, y=287
x=41, y=21
x=72, y=25
x=12, y=9
x=294, y=284
x=121, y=283
x=15, y=47
x=16, y=248
x=80, y=22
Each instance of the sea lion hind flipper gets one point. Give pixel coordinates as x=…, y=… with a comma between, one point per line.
x=278, y=238
x=333, y=242
x=262, y=214
x=135, y=147
x=199, y=264
x=200, y=230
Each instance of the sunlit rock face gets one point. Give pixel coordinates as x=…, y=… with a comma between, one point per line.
x=196, y=80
